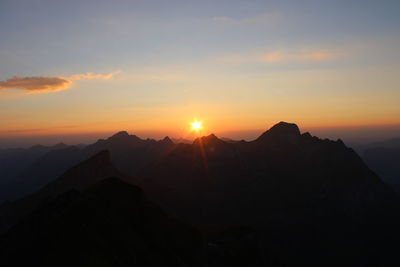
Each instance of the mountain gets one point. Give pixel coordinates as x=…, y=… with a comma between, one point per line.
x=390, y=143
x=14, y=161
x=384, y=159
x=128, y=153
x=181, y=141
x=308, y=201
x=281, y=166
x=109, y=223
x=92, y=216
x=78, y=177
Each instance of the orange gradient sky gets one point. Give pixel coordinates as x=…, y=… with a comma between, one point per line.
x=147, y=67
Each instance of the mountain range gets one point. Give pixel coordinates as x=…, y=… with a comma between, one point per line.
x=302, y=201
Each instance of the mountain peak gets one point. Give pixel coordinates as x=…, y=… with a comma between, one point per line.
x=166, y=140
x=282, y=131
x=209, y=139
x=123, y=136
x=120, y=134
x=285, y=128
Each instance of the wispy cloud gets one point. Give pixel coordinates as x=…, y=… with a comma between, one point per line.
x=286, y=56
x=299, y=56
x=30, y=130
x=41, y=84
x=93, y=76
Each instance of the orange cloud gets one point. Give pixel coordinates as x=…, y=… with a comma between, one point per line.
x=93, y=76
x=40, y=84
x=36, y=84
x=282, y=56
x=285, y=56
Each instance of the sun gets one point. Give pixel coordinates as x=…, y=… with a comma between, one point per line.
x=196, y=126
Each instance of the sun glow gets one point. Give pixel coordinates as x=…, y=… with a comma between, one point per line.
x=196, y=126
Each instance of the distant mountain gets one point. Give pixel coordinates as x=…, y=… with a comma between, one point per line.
x=228, y=140
x=109, y=223
x=181, y=141
x=13, y=162
x=391, y=143
x=384, y=160
x=128, y=153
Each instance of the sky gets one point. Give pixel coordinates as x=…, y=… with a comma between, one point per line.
x=90, y=68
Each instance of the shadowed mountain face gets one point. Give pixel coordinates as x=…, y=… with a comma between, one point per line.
x=14, y=181
x=108, y=224
x=79, y=178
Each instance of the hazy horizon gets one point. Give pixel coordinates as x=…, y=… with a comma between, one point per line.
x=351, y=135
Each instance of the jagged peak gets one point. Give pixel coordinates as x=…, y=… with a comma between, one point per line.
x=166, y=140
x=209, y=139
x=125, y=136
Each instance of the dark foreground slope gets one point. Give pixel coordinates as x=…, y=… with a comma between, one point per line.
x=108, y=224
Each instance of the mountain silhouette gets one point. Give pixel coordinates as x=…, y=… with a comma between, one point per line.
x=214, y=172
x=128, y=152
x=282, y=132
x=78, y=178
x=307, y=199
x=281, y=166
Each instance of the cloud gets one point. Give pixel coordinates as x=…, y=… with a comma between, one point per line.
x=36, y=84
x=286, y=56
x=40, y=84
x=93, y=76
x=302, y=56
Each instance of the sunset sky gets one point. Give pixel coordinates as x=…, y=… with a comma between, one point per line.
x=87, y=67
